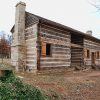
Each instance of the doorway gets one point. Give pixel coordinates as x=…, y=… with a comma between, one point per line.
x=93, y=58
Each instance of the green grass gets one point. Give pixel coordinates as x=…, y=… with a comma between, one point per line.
x=12, y=88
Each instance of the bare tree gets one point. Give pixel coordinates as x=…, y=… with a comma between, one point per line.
x=95, y=3
x=5, y=47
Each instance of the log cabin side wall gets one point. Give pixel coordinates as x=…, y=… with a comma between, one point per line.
x=91, y=47
x=60, y=47
x=31, y=47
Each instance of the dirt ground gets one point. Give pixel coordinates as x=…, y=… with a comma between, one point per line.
x=66, y=85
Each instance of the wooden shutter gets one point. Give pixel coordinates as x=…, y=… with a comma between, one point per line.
x=85, y=53
x=43, y=49
x=97, y=55
x=88, y=53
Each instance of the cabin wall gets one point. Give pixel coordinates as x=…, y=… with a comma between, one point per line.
x=93, y=47
x=31, y=47
x=76, y=56
x=76, y=50
x=60, y=47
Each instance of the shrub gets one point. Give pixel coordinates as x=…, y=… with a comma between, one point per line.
x=12, y=88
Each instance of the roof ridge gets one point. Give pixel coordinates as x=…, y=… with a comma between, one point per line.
x=61, y=25
x=53, y=23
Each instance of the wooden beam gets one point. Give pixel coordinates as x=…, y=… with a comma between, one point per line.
x=76, y=45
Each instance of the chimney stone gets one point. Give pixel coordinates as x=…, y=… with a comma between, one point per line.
x=18, y=49
x=20, y=22
x=89, y=32
x=21, y=3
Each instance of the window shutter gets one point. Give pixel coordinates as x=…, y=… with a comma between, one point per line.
x=96, y=55
x=85, y=53
x=99, y=54
x=43, y=53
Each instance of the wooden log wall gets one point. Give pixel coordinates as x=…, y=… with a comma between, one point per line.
x=31, y=47
x=94, y=47
x=76, y=56
x=60, y=47
x=76, y=52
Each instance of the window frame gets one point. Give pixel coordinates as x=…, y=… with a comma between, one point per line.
x=97, y=54
x=46, y=50
x=88, y=53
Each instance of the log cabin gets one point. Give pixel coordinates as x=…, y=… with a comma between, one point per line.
x=40, y=43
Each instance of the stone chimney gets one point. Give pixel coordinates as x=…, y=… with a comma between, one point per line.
x=89, y=32
x=18, y=43
x=20, y=22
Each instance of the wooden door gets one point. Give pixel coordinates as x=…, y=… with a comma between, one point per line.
x=93, y=58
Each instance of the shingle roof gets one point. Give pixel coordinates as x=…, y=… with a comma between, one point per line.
x=30, y=19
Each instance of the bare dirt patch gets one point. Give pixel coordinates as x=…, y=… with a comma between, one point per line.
x=66, y=85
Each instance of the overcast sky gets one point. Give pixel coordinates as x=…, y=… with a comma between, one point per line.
x=78, y=14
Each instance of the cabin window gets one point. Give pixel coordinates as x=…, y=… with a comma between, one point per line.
x=45, y=49
x=48, y=49
x=88, y=53
x=97, y=54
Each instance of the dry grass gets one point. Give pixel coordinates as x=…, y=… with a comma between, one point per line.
x=5, y=63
